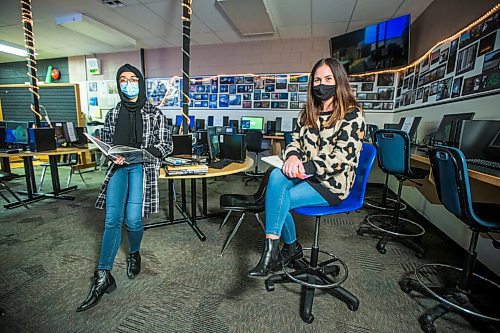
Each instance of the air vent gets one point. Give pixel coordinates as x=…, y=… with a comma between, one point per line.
x=113, y=3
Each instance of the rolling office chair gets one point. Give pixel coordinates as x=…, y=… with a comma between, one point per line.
x=70, y=160
x=253, y=140
x=245, y=204
x=288, y=138
x=459, y=291
x=393, y=152
x=5, y=177
x=312, y=274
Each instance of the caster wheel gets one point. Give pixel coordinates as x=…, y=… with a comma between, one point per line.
x=308, y=319
x=381, y=250
x=269, y=287
x=405, y=286
x=427, y=328
x=420, y=255
x=353, y=307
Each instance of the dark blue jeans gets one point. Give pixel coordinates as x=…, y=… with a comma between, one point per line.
x=284, y=194
x=123, y=200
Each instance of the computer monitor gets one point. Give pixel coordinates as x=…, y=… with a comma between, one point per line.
x=494, y=148
x=213, y=143
x=200, y=124
x=178, y=120
x=232, y=146
x=183, y=144
x=391, y=126
x=409, y=125
x=446, y=131
x=42, y=124
x=69, y=132
x=252, y=123
x=476, y=138
x=16, y=132
x=210, y=121
x=278, y=124
x=225, y=120
x=495, y=143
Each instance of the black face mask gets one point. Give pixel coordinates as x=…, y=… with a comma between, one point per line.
x=324, y=91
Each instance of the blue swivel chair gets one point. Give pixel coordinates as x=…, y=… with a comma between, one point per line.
x=459, y=290
x=393, y=152
x=288, y=137
x=312, y=274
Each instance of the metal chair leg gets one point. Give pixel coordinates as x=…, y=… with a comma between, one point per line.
x=42, y=178
x=225, y=220
x=81, y=176
x=69, y=177
x=260, y=221
x=4, y=197
x=15, y=195
x=228, y=241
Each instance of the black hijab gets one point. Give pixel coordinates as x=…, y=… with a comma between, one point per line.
x=128, y=130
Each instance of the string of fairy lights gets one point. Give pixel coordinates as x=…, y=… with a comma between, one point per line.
x=489, y=13
x=29, y=43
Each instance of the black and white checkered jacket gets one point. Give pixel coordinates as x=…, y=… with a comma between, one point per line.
x=155, y=133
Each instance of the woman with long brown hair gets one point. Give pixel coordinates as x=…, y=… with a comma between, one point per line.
x=320, y=162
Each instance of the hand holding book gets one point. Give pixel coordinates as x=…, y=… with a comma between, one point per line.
x=277, y=162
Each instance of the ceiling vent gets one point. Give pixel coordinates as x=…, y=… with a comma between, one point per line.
x=250, y=17
x=113, y=3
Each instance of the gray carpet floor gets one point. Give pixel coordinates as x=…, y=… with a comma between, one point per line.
x=49, y=252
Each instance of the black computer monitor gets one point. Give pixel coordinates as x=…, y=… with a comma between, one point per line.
x=446, y=131
x=409, y=125
x=59, y=132
x=494, y=148
x=234, y=124
x=476, y=138
x=178, y=120
x=213, y=143
x=278, y=124
x=232, y=147
x=252, y=123
x=183, y=144
x=391, y=126
x=210, y=121
x=200, y=124
x=225, y=120
x=16, y=132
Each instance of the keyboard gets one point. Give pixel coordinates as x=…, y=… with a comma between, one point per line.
x=9, y=150
x=220, y=163
x=484, y=163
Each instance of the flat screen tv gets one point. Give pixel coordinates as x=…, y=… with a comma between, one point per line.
x=376, y=47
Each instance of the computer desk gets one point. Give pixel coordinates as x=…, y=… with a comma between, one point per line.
x=29, y=173
x=277, y=142
x=484, y=187
x=193, y=218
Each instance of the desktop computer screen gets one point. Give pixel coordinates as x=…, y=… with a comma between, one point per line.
x=409, y=125
x=476, y=138
x=252, y=123
x=213, y=143
x=178, y=120
x=445, y=132
x=16, y=132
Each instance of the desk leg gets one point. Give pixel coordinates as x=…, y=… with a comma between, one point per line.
x=183, y=194
x=204, y=195
x=5, y=164
x=192, y=223
x=29, y=173
x=171, y=189
x=56, y=185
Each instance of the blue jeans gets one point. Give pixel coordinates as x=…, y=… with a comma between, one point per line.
x=284, y=194
x=123, y=199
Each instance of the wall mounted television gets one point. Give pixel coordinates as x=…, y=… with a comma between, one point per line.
x=375, y=47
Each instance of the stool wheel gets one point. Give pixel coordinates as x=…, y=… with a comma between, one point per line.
x=352, y=307
x=405, y=285
x=382, y=250
x=269, y=286
x=426, y=326
x=308, y=319
x=420, y=255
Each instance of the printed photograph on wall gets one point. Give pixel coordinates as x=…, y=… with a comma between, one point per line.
x=452, y=56
x=424, y=66
x=435, y=56
x=425, y=97
x=443, y=56
x=487, y=44
x=234, y=100
x=259, y=82
x=223, y=100
x=444, y=89
x=457, y=86
x=466, y=59
x=281, y=81
x=293, y=87
x=491, y=61
x=385, y=79
x=366, y=86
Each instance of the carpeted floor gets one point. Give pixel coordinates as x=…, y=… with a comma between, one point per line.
x=49, y=252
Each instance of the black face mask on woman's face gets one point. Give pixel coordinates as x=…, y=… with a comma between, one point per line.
x=324, y=91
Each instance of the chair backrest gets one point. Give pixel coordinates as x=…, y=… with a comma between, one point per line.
x=288, y=138
x=261, y=191
x=393, y=151
x=451, y=176
x=365, y=163
x=253, y=140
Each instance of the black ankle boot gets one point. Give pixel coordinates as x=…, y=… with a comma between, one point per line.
x=268, y=260
x=133, y=264
x=103, y=283
x=289, y=253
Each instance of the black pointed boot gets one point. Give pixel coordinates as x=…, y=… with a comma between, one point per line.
x=133, y=264
x=268, y=260
x=103, y=283
x=289, y=253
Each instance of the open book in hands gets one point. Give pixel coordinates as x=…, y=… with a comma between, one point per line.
x=131, y=155
x=277, y=162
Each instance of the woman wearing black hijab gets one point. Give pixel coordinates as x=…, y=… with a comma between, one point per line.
x=129, y=191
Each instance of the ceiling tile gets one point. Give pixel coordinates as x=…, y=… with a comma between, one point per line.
x=290, y=12
x=414, y=7
x=375, y=10
x=298, y=31
x=327, y=11
x=229, y=36
x=329, y=29
x=206, y=38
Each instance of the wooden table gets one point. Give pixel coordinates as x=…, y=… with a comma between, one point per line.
x=192, y=218
x=277, y=142
x=484, y=187
x=31, y=190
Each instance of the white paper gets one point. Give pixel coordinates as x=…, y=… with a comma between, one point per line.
x=71, y=132
x=218, y=121
x=286, y=125
x=274, y=160
x=407, y=124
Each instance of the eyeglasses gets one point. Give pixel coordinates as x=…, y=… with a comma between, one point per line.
x=131, y=80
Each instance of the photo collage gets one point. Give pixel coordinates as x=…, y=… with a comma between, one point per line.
x=467, y=65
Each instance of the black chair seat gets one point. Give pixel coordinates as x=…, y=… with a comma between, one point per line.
x=488, y=213
x=5, y=176
x=240, y=202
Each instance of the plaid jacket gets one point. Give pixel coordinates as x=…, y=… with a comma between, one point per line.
x=155, y=133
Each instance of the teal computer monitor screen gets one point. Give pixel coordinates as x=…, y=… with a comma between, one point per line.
x=16, y=132
x=252, y=123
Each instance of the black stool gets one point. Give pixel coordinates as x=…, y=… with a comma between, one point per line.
x=253, y=141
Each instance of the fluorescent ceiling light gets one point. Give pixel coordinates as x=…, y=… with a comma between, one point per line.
x=250, y=17
x=83, y=24
x=13, y=50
